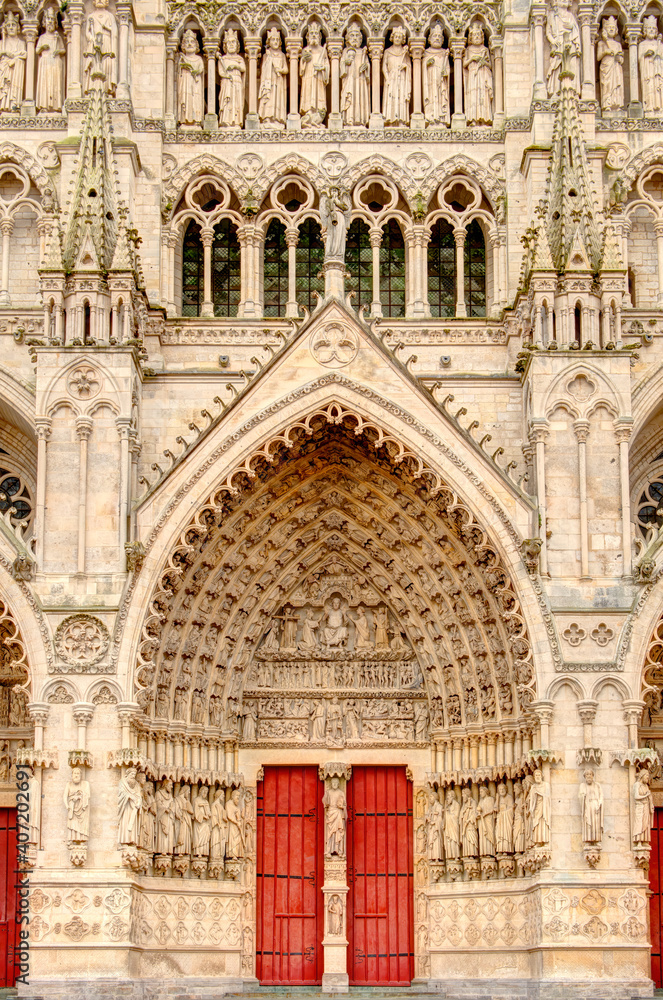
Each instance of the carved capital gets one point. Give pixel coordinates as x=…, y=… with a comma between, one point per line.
x=581, y=429
x=375, y=47
x=83, y=428
x=38, y=712
x=623, y=429
x=587, y=710
x=83, y=713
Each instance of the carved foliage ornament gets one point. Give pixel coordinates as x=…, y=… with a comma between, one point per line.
x=81, y=640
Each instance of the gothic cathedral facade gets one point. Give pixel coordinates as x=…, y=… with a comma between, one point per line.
x=331, y=495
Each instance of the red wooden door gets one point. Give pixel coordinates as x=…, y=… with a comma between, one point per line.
x=380, y=877
x=655, y=901
x=8, y=897
x=290, y=874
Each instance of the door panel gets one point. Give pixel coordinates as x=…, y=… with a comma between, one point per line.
x=8, y=897
x=655, y=903
x=380, y=877
x=289, y=877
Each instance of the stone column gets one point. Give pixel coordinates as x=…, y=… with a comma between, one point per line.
x=248, y=304
x=7, y=228
x=581, y=428
x=375, y=50
x=459, y=237
x=28, y=106
x=335, y=888
x=124, y=19
x=43, y=427
x=457, y=46
x=292, y=239
x=633, y=32
x=538, y=435
x=293, y=48
x=623, y=429
x=497, y=48
x=334, y=49
x=417, y=119
x=207, y=237
x=74, y=25
x=538, y=23
x=210, y=48
x=169, y=103
x=658, y=229
x=82, y=713
x=375, y=236
x=83, y=430
x=123, y=425
x=38, y=712
x=588, y=90
x=252, y=47
x=587, y=712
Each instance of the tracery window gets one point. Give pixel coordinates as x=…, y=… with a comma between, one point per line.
x=475, y=270
x=226, y=279
x=442, y=270
x=359, y=264
x=392, y=270
x=14, y=493
x=309, y=258
x=275, y=270
x=650, y=504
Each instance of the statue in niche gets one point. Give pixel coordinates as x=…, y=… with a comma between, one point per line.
x=314, y=71
x=650, y=59
x=101, y=34
x=51, y=53
x=335, y=632
x=13, y=54
x=452, y=825
x=190, y=81
x=436, y=79
x=486, y=814
x=468, y=824
x=538, y=808
x=273, y=83
x=318, y=728
x=148, y=816
x=355, y=75
x=334, y=721
x=5, y=761
x=563, y=34
x=505, y=818
x=590, y=794
x=610, y=56
x=202, y=816
x=309, y=640
x=232, y=76
x=434, y=826
x=397, y=72
x=381, y=628
x=184, y=820
x=362, y=630
x=77, y=804
x=335, y=915
x=130, y=802
x=519, y=825
x=477, y=78
x=643, y=810
x=336, y=814
x=335, y=214
x=235, y=819
x=165, y=817
x=219, y=823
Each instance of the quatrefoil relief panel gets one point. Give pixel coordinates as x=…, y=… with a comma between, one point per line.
x=574, y=634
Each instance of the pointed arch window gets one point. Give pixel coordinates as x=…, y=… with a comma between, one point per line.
x=192, y=271
x=392, y=270
x=275, y=275
x=359, y=264
x=442, y=270
x=475, y=270
x=309, y=258
x=225, y=288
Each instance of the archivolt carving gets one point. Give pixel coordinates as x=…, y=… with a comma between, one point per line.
x=492, y=185
x=204, y=164
x=334, y=588
x=379, y=164
x=653, y=154
x=14, y=674
x=292, y=163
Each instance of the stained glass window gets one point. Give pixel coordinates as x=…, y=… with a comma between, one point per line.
x=275, y=270
x=359, y=264
x=392, y=270
x=442, y=270
x=309, y=258
x=475, y=270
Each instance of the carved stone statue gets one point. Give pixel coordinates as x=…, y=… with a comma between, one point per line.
x=184, y=818
x=334, y=720
x=314, y=71
x=590, y=794
x=650, y=59
x=232, y=76
x=50, y=51
x=101, y=33
x=381, y=628
x=452, y=825
x=352, y=720
x=362, y=630
x=563, y=34
x=18, y=706
x=468, y=824
x=477, y=78
x=309, y=641
x=165, y=806
x=538, y=807
x=355, y=75
x=5, y=761
x=318, y=728
x=643, y=808
x=421, y=722
x=436, y=79
x=202, y=828
x=610, y=56
x=273, y=83
x=335, y=915
x=235, y=818
x=505, y=820
x=148, y=817
x=290, y=620
x=190, y=82
x=335, y=632
x=219, y=834
x=13, y=53
x=336, y=814
x=249, y=720
x=518, y=819
x=486, y=814
x=397, y=72
x=129, y=801
x=77, y=804
x=434, y=828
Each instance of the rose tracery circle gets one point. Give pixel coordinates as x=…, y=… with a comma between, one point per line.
x=334, y=346
x=84, y=382
x=81, y=639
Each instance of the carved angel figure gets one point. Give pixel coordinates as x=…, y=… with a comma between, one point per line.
x=50, y=51
x=314, y=71
x=397, y=72
x=477, y=78
x=190, y=81
x=232, y=75
x=355, y=72
x=436, y=78
x=273, y=77
x=77, y=804
x=13, y=54
x=610, y=56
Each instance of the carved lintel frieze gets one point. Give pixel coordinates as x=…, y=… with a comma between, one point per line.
x=79, y=758
x=589, y=755
x=37, y=758
x=641, y=757
x=333, y=769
